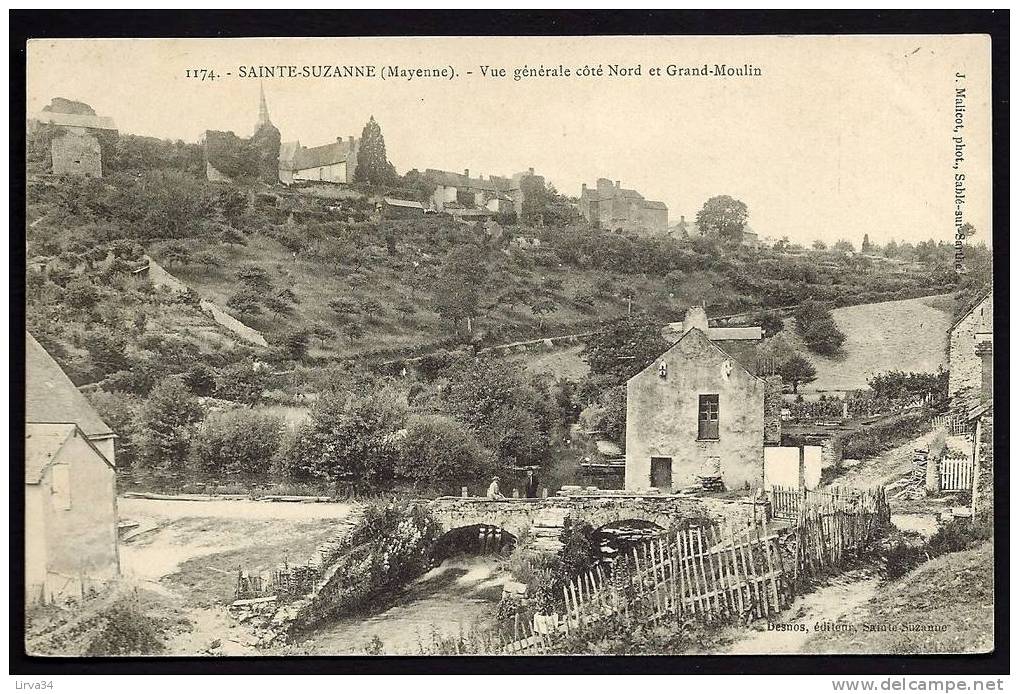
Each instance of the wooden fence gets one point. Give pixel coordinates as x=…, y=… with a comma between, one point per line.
x=955, y=424
x=714, y=573
x=956, y=475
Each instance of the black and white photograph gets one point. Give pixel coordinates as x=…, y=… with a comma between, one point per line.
x=508, y=346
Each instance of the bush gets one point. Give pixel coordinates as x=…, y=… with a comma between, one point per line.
x=441, y=450
x=237, y=442
x=125, y=630
x=869, y=441
x=959, y=534
x=901, y=558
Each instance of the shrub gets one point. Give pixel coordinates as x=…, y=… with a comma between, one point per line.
x=125, y=630
x=237, y=442
x=901, y=558
x=441, y=450
x=869, y=441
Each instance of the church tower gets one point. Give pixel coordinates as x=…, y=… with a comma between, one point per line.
x=263, y=110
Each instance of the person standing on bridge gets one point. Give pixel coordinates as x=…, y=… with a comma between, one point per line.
x=493, y=489
x=531, y=486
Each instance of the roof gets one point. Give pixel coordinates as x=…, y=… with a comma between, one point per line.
x=50, y=396
x=745, y=333
x=74, y=120
x=655, y=204
x=971, y=310
x=459, y=180
x=403, y=203
x=700, y=333
x=300, y=158
x=43, y=443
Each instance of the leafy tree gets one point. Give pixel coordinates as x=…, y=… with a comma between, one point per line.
x=353, y=435
x=819, y=245
x=810, y=312
x=624, y=347
x=176, y=253
x=354, y=330
x=770, y=321
x=345, y=309
x=439, y=449
x=167, y=422
x=81, y=294
x=373, y=166
x=865, y=247
x=844, y=246
x=172, y=203
x=294, y=344
x=200, y=379
x=240, y=382
x=459, y=287
x=119, y=411
x=372, y=309
x=824, y=337
x=542, y=307
x=279, y=306
x=237, y=442
x=232, y=237
x=256, y=279
x=723, y=216
x=797, y=369
x=232, y=204
x=208, y=259
x=323, y=333
x=246, y=301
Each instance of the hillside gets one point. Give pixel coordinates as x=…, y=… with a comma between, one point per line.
x=944, y=606
x=907, y=335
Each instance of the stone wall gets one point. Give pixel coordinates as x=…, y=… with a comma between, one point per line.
x=964, y=365
x=77, y=154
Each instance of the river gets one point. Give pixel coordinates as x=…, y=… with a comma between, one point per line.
x=448, y=600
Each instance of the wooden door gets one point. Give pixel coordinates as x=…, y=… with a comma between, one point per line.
x=661, y=474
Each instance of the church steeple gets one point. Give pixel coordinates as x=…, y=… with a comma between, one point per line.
x=263, y=109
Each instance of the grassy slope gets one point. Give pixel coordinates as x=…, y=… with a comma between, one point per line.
x=956, y=590
x=906, y=335
x=316, y=283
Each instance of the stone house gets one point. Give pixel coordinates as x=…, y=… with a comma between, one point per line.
x=75, y=147
x=496, y=194
x=394, y=208
x=70, y=486
x=970, y=350
x=610, y=206
x=695, y=411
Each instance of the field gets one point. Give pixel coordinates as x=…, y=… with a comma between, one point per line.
x=907, y=335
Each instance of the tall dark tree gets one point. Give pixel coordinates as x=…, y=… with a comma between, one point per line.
x=459, y=287
x=723, y=216
x=372, y=165
x=865, y=247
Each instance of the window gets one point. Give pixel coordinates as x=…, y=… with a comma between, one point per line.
x=707, y=417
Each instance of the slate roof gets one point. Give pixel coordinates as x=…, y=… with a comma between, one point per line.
x=300, y=158
x=43, y=443
x=50, y=396
x=450, y=179
x=655, y=204
x=403, y=203
x=74, y=120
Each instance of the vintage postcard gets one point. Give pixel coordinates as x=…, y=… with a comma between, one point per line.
x=509, y=346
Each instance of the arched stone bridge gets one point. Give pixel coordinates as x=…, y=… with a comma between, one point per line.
x=541, y=520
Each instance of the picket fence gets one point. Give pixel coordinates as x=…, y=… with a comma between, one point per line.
x=712, y=573
x=955, y=424
x=956, y=475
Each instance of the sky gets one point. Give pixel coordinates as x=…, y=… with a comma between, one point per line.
x=837, y=137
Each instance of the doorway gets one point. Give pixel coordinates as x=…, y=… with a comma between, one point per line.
x=661, y=474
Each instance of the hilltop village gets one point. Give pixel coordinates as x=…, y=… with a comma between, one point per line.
x=255, y=338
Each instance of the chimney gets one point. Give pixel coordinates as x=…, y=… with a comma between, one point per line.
x=530, y=170
x=583, y=188
x=696, y=317
x=617, y=185
x=339, y=140
x=467, y=173
x=682, y=219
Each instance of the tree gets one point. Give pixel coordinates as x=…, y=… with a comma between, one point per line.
x=278, y=306
x=323, y=333
x=237, y=442
x=819, y=245
x=458, y=289
x=246, y=302
x=624, y=347
x=345, y=309
x=171, y=203
x=232, y=237
x=824, y=337
x=372, y=309
x=256, y=279
x=81, y=294
x=354, y=330
x=176, y=253
x=166, y=424
x=844, y=246
x=541, y=307
x=438, y=449
x=796, y=370
x=771, y=322
x=119, y=411
x=373, y=166
x=865, y=247
x=353, y=435
x=723, y=216
x=294, y=344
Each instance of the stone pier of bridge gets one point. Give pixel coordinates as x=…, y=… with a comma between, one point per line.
x=541, y=521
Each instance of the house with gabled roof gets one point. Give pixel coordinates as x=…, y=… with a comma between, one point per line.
x=334, y=162
x=970, y=350
x=70, y=486
x=610, y=206
x=696, y=412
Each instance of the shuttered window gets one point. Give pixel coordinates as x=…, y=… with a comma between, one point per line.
x=707, y=417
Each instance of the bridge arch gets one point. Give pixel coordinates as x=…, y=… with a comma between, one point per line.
x=473, y=539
